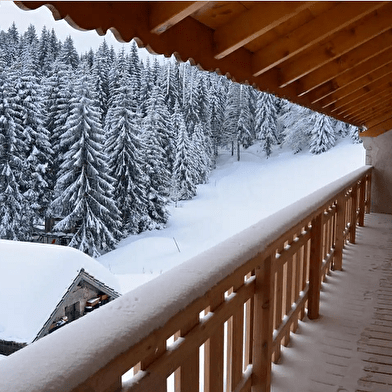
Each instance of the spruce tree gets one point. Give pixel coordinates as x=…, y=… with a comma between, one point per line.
x=157, y=137
x=84, y=191
x=38, y=149
x=124, y=150
x=266, y=122
x=322, y=135
x=184, y=170
x=296, y=125
x=12, y=156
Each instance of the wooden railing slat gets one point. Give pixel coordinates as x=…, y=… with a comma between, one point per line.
x=262, y=348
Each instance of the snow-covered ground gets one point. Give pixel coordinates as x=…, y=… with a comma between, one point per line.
x=238, y=195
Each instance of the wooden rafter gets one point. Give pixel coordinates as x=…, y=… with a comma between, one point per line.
x=285, y=47
x=162, y=16
x=351, y=75
x=361, y=108
x=357, y=85
x=253, y=23
x=361, y=93
x=337, y=45
x=346, y=62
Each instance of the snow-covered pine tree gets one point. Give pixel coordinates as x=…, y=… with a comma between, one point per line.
x=266, y=121
x=245, y=136
x=39, y=152
x=218, y=93
x=184, y=169
x=157, y=138
x=231, y=116
x=100, y=72
x=57, y=91
x=68, y=53
x=12, y=44
x=146, y=86
x=84, y=191
x=202, y=147
x=12, y=155
x=322, y=135
x=124, y=151
x=295, y=123
x=173, y=85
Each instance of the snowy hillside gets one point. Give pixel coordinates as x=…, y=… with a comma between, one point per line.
x=238, y=194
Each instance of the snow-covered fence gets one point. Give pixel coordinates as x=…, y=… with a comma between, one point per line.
x=258, y=284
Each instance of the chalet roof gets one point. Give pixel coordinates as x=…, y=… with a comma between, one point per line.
x=333, y=57
x=34, y=279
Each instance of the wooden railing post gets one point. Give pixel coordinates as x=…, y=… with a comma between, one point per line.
x=340, y=212
x=263, y=325
x=213, y=355
x=316, y=248
x=368, y=192
x=187, y=376
x=353, y=213
x=362, y=203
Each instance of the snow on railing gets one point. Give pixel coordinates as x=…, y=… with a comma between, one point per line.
x=239, y=300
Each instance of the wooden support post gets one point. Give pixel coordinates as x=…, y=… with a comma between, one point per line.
x=316, y=248
x=353, y=213
x=187, y=376
x=362, y=202
x=161, y=383
x=213, y=357
x=263, y=321
x=250, y=304
x=368, y=192
x=235, y=348
x=340, y=227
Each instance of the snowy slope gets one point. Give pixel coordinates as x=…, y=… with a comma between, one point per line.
x=238, y=195
x=33, y=279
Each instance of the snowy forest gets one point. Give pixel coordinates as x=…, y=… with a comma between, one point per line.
x=105, y=140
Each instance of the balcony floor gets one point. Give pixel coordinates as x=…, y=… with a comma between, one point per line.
x=349, y=348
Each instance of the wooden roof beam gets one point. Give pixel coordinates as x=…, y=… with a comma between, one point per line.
x=163, y=15
x=378, y=129
x=309, y=34
x=352, y=75
x=360, y=102
x=340, y=43
x=362, y=92
x=360, y=110
x=380, y=118
x=356, y=85
x=346, y=62
x=373, y=112
x=253, y=23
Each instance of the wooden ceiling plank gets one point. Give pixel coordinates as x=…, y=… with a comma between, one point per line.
x=345, y=63
x=379, y=119
x=373, y=112
x=378, y=129
x=339, y=43
x=362, y=92
x=251, y=24
x=163, y=15
x=360, y=101
x=356, y=85
x=352, y=75
x=309, y=34
x=359, y=110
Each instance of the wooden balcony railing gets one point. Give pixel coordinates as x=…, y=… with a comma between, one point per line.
x=235, y=304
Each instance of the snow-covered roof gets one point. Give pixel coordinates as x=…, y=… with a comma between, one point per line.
x=33, y=279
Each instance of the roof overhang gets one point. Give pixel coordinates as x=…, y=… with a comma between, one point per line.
x=332, y=57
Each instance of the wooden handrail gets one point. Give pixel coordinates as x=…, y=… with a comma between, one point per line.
x=240, y=299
